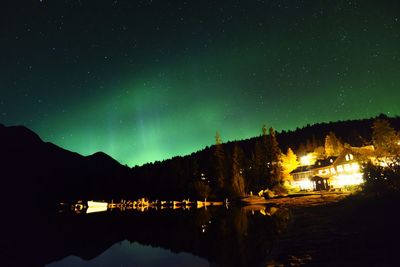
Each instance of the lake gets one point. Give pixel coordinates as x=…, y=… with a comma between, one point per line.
x=216, y=236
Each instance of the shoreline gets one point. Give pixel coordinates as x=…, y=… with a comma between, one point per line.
x=297, y=200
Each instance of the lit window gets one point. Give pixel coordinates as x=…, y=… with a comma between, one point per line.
x=347, y=157
x=351, y=156
x=347, y=167
x=355, y=166
x=321, y=172
x=339, y=168
x=333, y=170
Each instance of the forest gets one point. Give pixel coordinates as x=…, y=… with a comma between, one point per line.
x=42, y=173
x=237, y=168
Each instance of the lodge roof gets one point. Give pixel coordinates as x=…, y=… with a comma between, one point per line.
x=302, y=169
x=318, y=164
x=324, y=162
x=365, y=150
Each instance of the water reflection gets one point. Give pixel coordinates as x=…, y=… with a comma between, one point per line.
x=216, y=236
x=134, y=254
x=141, y=205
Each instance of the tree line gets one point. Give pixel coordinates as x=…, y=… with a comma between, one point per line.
x=235, y=169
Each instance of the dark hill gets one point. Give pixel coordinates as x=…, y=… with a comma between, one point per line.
x=40, y=173
x=101, y=158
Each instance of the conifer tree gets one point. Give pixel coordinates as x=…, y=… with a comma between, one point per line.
x=333, y=146
x=264, y=158
x=385, y=138
x=202, y=189
x=219, y=166
x=238, y=184
x=256, y=162
x=259, y=171
x=274, y=160
x=301, y=150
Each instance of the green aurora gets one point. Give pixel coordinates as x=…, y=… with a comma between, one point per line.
x=150, y=80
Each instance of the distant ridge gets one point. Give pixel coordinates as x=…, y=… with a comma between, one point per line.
x=45, y=173
x=101, y=157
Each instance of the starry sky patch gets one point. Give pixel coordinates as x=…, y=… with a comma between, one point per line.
x=148, y=80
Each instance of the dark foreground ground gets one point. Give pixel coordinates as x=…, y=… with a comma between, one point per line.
x=339, y=230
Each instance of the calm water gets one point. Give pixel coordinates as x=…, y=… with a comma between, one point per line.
x=198, y=237
x=126, y=253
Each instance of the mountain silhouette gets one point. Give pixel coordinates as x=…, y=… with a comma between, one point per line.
x=41, y=173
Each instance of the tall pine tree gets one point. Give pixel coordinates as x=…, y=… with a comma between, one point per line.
x=333, y=146
x=220, y=167
x=385, y=138
x=274, y=160
x=238, y=184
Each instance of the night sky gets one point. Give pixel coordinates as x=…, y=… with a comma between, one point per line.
x=148, y=80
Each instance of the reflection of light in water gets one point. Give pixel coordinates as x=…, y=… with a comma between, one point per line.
x=265, y=211
x=218, y=231
x=96, y=209
x=142, y=205
x=94, y=206
x=204, y=227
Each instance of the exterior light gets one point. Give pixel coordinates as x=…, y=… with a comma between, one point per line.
x=355, y=167
x=308, y=159
x=347, y=179
x=304, y=184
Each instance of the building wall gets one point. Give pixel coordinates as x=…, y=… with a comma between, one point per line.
x=345, y=170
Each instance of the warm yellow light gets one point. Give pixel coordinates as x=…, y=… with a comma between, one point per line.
x=97, y=204
x=304, y=184
x=347, y=179
x=385, y=162
x=96, y=209
x=308, y=159
x=94, y=206
x=347, y=167
x=339, y=168
x=323, y=172
x=355, y=167
x=263, y=212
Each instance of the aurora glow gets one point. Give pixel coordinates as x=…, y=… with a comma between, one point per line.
x=148, y=80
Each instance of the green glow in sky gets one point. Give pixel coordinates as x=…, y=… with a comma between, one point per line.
x=111, y=79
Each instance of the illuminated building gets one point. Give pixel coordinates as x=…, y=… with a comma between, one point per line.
x=333, y=172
